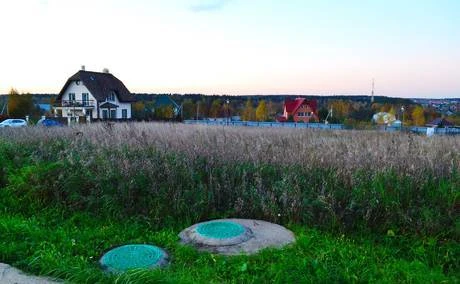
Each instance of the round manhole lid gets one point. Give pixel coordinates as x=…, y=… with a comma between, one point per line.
x=128, y=257
x=220, y=230
x=219, y=233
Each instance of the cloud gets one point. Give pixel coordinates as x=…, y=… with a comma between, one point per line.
x=208, y=5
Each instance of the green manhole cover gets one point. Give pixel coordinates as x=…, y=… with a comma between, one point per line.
x=220, y=230
x=128, y=257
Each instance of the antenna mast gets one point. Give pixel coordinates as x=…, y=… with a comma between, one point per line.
x=372, y=93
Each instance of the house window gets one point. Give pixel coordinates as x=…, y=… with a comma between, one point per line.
x=113, y=113
x=71, y=96
x=111, y=97
x=124, y=113
x=85, y=98
x=300, y=114
x=104, y=114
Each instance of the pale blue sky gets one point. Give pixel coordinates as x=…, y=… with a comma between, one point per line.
x=411, y=48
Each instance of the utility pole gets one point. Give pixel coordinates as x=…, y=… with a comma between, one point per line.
x=329, y=114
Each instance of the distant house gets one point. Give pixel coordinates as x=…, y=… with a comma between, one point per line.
x=440, y=122
x=97, y=95
x=299, y=110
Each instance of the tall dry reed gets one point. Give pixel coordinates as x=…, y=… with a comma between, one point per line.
x=344, y=151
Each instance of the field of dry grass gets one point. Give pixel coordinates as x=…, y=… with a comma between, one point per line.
x=339, y=180
x=344, y=151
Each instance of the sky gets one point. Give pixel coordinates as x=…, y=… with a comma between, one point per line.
x=236, y=47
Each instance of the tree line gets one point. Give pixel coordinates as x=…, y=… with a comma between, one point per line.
x=355, y=111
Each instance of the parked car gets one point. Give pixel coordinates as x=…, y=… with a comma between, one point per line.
x=49, y=122
x=13, y=123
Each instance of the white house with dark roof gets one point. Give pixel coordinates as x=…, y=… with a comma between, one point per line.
x=98, y=95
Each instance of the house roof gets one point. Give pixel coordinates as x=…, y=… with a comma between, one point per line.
x=293, y=105
x=440, y=122
x=100, y=85
x=164, y=100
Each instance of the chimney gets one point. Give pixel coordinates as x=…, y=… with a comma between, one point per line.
x=105, y=70
x=83, y=68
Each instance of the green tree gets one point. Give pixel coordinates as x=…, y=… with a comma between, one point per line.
x=261, y=111
x=271, y=110
x=139, y=110
x=216, y=107
x=188, y=109
x=165, y=112
x=322, y=113
x=248, y=112
x=20, y=105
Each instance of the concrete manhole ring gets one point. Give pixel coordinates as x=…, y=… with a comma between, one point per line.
x=133, y=256
x=236, y=236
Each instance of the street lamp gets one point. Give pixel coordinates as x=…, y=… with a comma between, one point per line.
x=228, y=110
x=402, y=122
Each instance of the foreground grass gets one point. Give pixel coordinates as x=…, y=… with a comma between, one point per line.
x=68, y=247
x=365, y=207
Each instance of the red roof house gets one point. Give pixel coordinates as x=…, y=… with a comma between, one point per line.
x=300, y=110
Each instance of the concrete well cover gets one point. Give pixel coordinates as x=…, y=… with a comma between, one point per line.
x=251, y=237
x=133, y=256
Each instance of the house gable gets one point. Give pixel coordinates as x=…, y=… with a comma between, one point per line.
x=78, y=89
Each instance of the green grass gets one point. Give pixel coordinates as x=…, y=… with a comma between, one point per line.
x=169, y=188
x=65, y=200
x=68, y=247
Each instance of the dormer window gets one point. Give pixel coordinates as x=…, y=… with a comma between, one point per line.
x=111, y=97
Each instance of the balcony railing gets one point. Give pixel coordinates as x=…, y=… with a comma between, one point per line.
x=77, y=103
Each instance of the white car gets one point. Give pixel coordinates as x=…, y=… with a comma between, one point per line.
x=13, y=123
